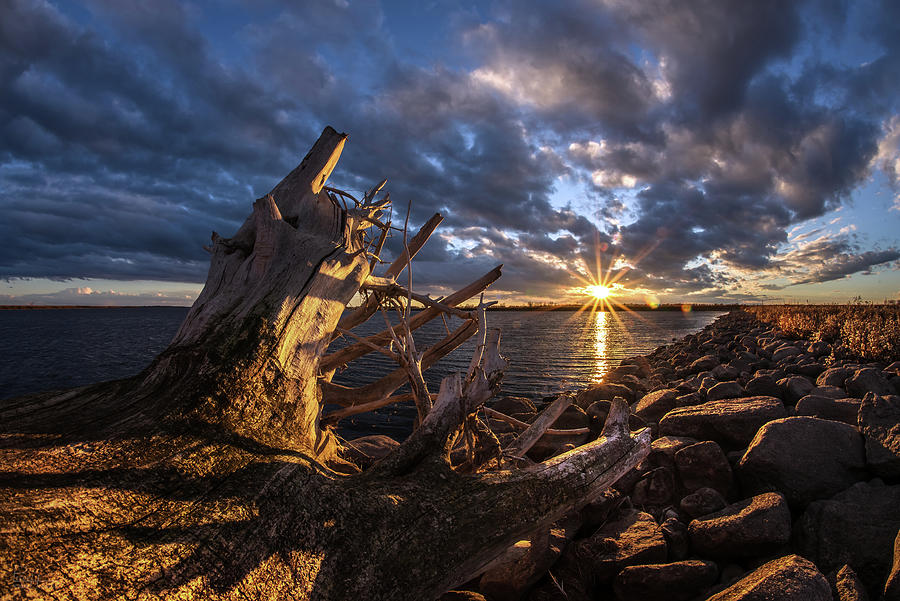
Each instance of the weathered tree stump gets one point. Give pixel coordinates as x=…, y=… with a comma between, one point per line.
x=213, y=474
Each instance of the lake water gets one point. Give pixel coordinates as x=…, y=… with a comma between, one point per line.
x=549, y=352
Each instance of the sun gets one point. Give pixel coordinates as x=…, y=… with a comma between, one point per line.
x=599, y=291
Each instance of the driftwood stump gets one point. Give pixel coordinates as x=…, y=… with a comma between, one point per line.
x=213, y=473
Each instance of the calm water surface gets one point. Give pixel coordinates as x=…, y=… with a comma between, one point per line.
x=549, y=352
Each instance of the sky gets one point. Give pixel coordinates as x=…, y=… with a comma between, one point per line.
x=679, y=151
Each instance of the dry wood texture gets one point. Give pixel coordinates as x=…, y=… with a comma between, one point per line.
x=212, y=475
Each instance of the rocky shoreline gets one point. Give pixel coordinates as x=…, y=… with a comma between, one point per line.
x=774, y=474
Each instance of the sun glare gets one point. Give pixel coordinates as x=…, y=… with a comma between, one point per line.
x=599, y=291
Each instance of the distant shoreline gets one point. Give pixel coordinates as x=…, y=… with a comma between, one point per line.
x=628, y=307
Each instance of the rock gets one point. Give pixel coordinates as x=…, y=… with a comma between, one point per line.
x=677, y=581
x=839, y=410
x=835, y=376
x=731, y=422
x=804, y=458
x=879, y=421
x=724, y=373
x=704, y=363
x=669, y=445
x=749, y=528
x=725, y=390
x=831, y=392
x=867, y=380
x=595, y=513
x=462, y=596
x=523, y=564
x=855, y=527
x=702, y=502
x=846, y=586
x=790, y=578
x=795, y=388
x=655, y=488
x=763, y=385
x=367, y=450
x=677, y=539
x=892, y=586
x=810, y=369
x=605, y=391
x=785, y=351
x=517, y=407
x=633, y=538
x=574, y=417
x=690, y=399
x=704, y=465
x=654, y=405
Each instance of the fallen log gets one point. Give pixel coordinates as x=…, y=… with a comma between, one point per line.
x=212, y=475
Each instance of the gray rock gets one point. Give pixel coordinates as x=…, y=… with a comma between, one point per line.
x=724, y=373
x=795, y=388
x=804, y=458
x=763, y=385
x=462, y=596
x=750, y=528
x=605, y=391
x=702, y=502
x=879, y=421
x=677, y=581
x=790, y=578
x=835, y=376
x=855, y=527
x=704, y=465
x=523, y=564
x=839, y=410
x=785, y=351
x=730, y=422
x=725, y=390
x=818, y=349
x=704, y=363
x=654, y=405
x=634, y=538
x=867, y=380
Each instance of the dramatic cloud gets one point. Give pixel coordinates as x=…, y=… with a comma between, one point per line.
x=675, y=142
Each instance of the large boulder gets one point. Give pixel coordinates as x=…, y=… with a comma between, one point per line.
x=654, y=405
x=855, y=527
x=866, y=380
x=838, y=410
x=633, y=538
x=677, y=581
x=790, y=578
x=750, y=528
x=785, y=351
x=730, y=422
x=879, y=421
x=704, y=465
x=804, y=458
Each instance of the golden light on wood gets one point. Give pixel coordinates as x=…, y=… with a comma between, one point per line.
x=599, y=291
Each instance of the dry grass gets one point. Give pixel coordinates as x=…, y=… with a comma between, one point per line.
x=870, y=332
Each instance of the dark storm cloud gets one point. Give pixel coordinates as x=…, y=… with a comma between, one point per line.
x=829, y=258
x=128, y=134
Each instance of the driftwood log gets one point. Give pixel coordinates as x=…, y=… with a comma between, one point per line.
x=215, y=474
